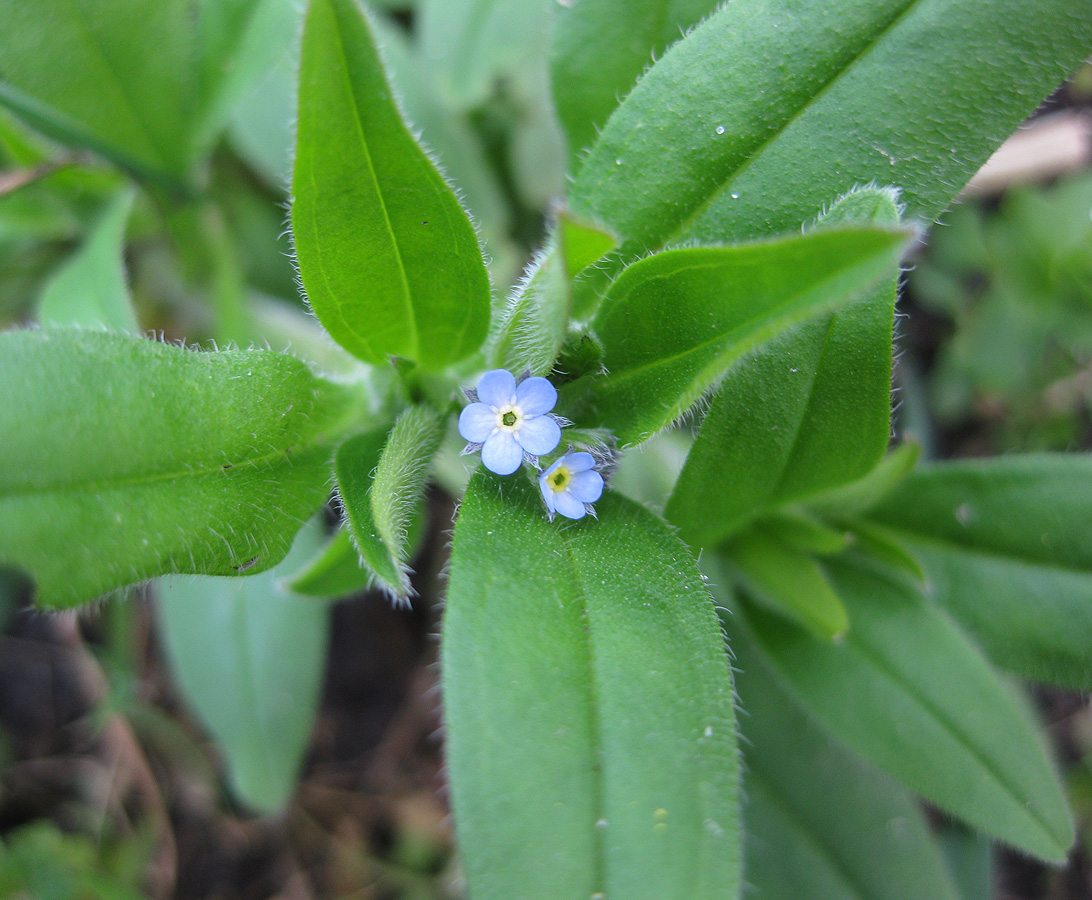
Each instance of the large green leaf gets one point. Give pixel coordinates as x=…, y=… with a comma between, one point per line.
x=671, y=324
x=470, y=42
x=249, y=656
x=908, y=691
x=770, y=109
x=820, y=822
x=90, y=289
x=825, y=415
x=1007, y=548
x=590, y=721
x=147, y=85
x=139, y=459
x=381, y=479
x=599, y=50
x=388, y=257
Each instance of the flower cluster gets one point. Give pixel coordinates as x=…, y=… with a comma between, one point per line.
x=510, y=421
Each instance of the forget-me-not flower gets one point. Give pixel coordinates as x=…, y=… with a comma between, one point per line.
x=571, y=485
x=510, y=419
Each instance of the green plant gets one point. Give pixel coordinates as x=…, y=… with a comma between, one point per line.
x=729, y=243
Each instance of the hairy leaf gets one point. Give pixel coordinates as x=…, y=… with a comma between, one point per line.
x=388, y=257
x=825, y=414
x=908, y=691
x=821, y=822
x=256, y=686
x=769, y=110
x=591, y=734
x=673, y=323
x=1006, y=548
x=138, y=459
x=599, y=50
x=381, y=479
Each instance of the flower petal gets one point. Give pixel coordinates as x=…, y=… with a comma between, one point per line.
x=501, y=453
x=536, y=396
x=539, y=435
x=587, y=487
x=476, y=422
x=579, y=461
x=547, y=491
x=497, y=387
x=566, y=504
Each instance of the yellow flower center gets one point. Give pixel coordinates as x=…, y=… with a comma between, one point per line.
x=559, y=479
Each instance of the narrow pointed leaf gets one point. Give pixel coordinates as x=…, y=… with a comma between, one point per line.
x=599, y=50
x=825, y=416
x=790, y=583
x=906, y=690
x=256, y=686
x=820, y=821
x=141, y=459
x=672, y=324
x=582, y=244
x=715, y=143
x=388, y=257
x=591, y=735
x=1006, y=548
x=335, y=571
x=90, y=288
x=381, y=479
x=532, y=327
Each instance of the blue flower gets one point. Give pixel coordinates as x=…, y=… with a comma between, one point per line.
x=571, y=485
x=509, y=420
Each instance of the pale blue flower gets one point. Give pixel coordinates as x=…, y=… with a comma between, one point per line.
x=571, y=485
x=510, y=420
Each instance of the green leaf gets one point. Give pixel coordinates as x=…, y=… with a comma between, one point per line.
x=716, y=143
x=388, y=258
x=789, y=582
x=582, y=243
x=335, y=571
x=671, y=324
x=820, y=822
x=140, y=459
x=1006, y=548
x=532, y=328
x=90, y=288
x=238, y=42
x=249, y=656
x=600, y=49
x=85, y=75
x=588, y=698
x=866, y=492
x=458, y=149
x=906, y=690
x=381, y=480
x=471, y=42
x=825, y=416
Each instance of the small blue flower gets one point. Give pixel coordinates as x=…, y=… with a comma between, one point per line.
x=571, y=485
x=509, y=420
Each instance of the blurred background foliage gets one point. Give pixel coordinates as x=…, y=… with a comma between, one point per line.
x=110, y=784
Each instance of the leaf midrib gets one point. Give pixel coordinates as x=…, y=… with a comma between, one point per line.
x=995, y=553
x=747, y=328
x=880, y=663
x=287, y=454
x=752, y=154
x=407, y=294
x=111, y=71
